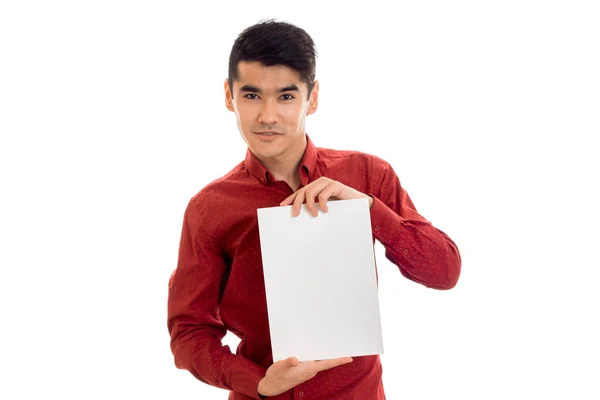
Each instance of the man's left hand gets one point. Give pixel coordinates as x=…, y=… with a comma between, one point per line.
x=323, y=189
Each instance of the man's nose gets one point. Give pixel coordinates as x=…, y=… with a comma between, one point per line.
x=268, y=113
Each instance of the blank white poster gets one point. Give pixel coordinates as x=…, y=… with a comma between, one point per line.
x=320, y=281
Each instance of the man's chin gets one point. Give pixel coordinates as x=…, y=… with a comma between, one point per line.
x=267, y=155
x=265, y=150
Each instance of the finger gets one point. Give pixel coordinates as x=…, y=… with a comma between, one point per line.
x=324, y=196
x=293, y=361
x=289, y=200
x=310, y=203
x=298, y=203
x=321, y=365
x=314, y=190
x=335, y=362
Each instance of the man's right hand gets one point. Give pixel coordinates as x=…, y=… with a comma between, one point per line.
x=285, y=374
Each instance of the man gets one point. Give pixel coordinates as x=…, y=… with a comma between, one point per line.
x=218, y=283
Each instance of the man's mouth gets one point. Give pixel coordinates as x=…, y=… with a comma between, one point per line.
x=267, y=133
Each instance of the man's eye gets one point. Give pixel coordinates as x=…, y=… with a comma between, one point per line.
x=248, y=96
x=289, y=96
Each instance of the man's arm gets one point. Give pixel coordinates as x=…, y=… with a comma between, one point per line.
x=422, y=252
x=193, y=322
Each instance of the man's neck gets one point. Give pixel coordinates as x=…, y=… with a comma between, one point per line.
x=287, y=169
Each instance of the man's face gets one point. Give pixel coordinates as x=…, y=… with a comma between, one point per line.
x=271, y=104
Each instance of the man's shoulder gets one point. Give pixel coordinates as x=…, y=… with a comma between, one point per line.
x=219, y=187
x=351, y=156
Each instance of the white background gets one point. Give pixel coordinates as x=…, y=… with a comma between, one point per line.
x=112, y=116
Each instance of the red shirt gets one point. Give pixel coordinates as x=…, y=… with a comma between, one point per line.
x=218, y=283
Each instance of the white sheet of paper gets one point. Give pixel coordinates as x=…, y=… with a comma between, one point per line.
x=320, y=281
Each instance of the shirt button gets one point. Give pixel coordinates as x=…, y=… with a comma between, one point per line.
x=262, y=180
x=405, y=251
x=301, y=393
x=376, y=227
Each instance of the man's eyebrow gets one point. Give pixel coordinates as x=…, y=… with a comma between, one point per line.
x=251, y=88
x=290, y=88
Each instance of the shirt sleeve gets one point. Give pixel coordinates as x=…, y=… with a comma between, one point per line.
x=422, y=252
x=193, y=319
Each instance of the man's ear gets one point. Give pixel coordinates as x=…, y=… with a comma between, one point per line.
x=228, y=96
x=314, y=99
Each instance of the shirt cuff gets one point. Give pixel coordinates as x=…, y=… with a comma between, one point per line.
x=245, y=376
x=384, y=222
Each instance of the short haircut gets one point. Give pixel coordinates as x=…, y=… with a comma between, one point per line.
x=275, y=43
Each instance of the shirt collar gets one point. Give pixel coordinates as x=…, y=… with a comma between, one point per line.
x=307, y=165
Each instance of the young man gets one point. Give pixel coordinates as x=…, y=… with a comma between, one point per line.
x=218, y=283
